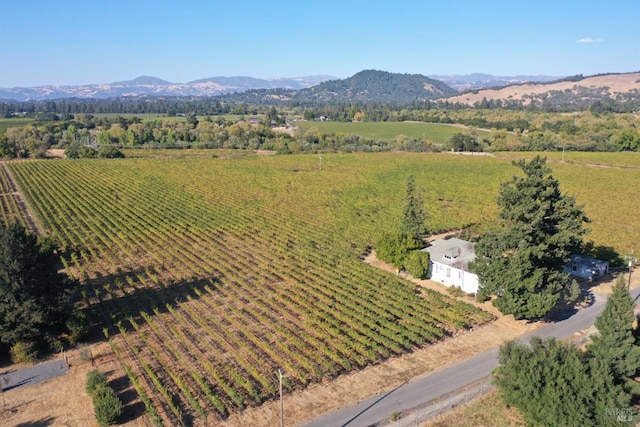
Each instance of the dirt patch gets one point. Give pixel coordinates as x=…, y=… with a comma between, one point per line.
x=266, y=152
x=55, y=153
x=63, y=400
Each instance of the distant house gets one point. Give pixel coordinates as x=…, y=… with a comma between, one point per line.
x=449, y=260
x=586, y=268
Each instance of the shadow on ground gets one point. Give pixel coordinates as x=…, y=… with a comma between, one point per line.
x=43, y=422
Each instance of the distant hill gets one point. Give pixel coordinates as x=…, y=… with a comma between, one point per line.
x=154, y=86
x=467, y=82
x=381, y=86
x=368, y=86
x=143, y=81
x=575, y=91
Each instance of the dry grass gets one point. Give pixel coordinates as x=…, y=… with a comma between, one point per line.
x=63, y=401
x=486, y=411
x=620, y=83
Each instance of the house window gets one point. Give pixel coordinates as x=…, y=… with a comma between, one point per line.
x=575, y=267
x=448, y=272
x=460, y=274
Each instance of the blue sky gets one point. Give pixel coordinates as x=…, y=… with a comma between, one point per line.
x=81, y=42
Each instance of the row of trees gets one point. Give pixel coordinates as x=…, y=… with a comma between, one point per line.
x=520, y=265
x=511, y=131
x=402, y=247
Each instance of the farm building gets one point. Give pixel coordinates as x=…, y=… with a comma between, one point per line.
x=449, y=259
x=586, y=268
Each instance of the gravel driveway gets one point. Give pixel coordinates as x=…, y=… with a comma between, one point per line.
x=32, y=375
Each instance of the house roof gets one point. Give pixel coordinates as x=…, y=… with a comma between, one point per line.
x=454, y=252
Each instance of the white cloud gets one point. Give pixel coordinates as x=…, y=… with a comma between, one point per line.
x=589, y=40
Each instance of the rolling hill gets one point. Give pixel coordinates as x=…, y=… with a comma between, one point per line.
x=368, y=86
x=575, y=91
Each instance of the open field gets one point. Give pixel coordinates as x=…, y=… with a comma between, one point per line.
x=210, y=274
x=626, y=159
x=14, y=122
x=387, y=130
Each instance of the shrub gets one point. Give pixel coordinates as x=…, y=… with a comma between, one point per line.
x=395, y=247
x=77, y=326
x=106, y=405
x=86, y=152
x=417, y=264
x=95, y=379
x=109, y=152
x=23, y=351
x=456, y=291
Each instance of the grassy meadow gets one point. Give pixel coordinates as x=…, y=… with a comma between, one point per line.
x=387, y=130
x=14, y=122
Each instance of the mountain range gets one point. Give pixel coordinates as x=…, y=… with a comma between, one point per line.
x=154, y=86
x=214, y=86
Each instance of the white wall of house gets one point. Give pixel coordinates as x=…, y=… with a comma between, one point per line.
x=451, y=276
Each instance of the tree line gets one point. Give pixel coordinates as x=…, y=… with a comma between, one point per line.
x=510, y=131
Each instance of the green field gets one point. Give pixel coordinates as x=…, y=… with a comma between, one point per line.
x=388, y=130
x=208, y=274
x=19, y=121
x=624, y=159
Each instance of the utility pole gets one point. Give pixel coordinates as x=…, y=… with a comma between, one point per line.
x=632, y=260
x=281, y=402
x=320, y=161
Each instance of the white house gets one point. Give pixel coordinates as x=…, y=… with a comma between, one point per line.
x=449, y=259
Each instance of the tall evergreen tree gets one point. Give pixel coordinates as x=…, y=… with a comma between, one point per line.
x=414, y=216
x=554, y=384
x=522, y=262
x=33, y=293
x=545, y=381
x=615, y=344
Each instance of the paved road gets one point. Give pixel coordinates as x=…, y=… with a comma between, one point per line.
x=438, y=384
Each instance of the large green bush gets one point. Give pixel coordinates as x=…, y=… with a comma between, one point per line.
x=395, y=247
x=106, y=404
x=95, y=379
x=417, y=264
